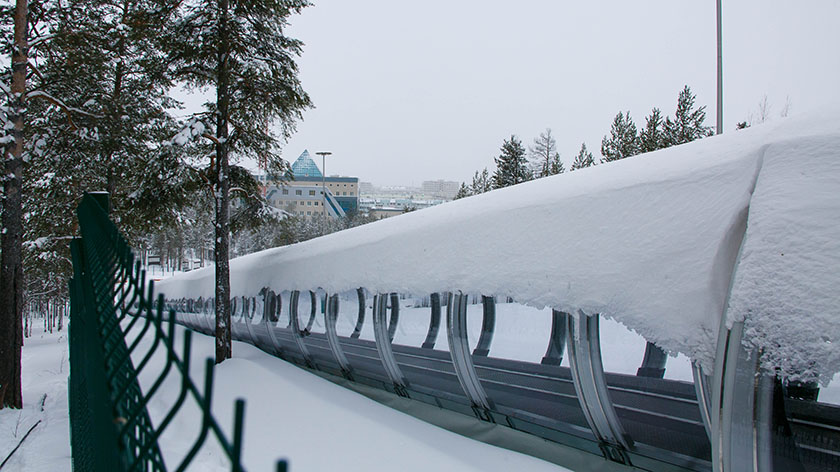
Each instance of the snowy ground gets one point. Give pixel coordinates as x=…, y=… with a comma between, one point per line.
x=46, y=365
x=290, y=413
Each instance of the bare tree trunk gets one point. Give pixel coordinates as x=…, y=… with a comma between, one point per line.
x=221, y=196
x=11, y=267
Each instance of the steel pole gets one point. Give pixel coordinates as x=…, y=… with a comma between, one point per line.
x=324, y=155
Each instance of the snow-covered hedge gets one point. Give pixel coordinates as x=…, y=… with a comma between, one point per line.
x=663, y=242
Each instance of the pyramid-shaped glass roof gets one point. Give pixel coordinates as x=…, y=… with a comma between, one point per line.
x=304, y=166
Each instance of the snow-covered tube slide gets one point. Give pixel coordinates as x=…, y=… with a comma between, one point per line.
x=725, y=250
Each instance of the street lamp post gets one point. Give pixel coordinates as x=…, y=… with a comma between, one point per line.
x=323, y=155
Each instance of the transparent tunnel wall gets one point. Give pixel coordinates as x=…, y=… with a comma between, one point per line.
x=509, y=363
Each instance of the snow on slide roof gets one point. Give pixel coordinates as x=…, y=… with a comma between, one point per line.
x=652, y=241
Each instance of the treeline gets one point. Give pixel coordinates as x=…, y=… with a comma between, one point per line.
x=89, y=107
x=515, y=164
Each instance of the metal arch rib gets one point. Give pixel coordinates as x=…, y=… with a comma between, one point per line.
x=704, y=396
x=330, y=318
x=395, y=316
x=434, y=322
x=557, y=339
x=297, y=335
x=383, y=344
x=742, y=406
x=271, y=308
x=653, y=364
x=488, y=326
x=584, y=349
x=313, y=310
x=249, y=307
x=360, y=322
x=459, y=350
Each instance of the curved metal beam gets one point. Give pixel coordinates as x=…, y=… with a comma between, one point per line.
x=488, y=326
x=742, y=406
x=434, y=322
x=653, y=365
x=383, y=345
x=459, y=350
x=330, y=318
x=313, y=310
x=557, y=340
x=297, y=334
x=249, y=309
x=584, y=349
x=703, y=391
x=357, y=331
x=395, y=316
x=271, y=309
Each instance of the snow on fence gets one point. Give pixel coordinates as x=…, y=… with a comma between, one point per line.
x=726, y=250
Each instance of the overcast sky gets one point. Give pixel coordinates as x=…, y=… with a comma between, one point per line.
x=423, y=90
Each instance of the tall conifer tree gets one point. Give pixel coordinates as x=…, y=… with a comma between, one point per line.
x=623, y=140
x=239, y=49
x=583, y=159
x=11, y=273
x=511, y=165
x=687, y=124
x=652, y=137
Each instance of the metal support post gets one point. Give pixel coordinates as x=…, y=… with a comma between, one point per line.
x=653, y=364
x=434, y=322
x=584, y=349
x=459, y=350
x=383, y=345
x=488, y=326
x=360, y=321
x=557, y=340
x=297, y=334
x=330, y=318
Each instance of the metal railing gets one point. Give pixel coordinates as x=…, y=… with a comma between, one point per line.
x=112, y=313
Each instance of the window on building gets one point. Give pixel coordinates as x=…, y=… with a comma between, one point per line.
x=344, y=193
x=285, y=191
x=309, y=213
x=309, y=203
x=311, y=192
x=316, y=203
x=298, y=192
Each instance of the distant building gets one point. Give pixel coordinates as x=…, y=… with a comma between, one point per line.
x=303, y=195
x=365, y=188
x=385, y=212
x=446, y=189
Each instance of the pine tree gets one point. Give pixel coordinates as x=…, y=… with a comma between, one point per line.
x=652, y=137
x=11, y=274
x=511, y=165
x=545, y=160
x=239, y=48
x=583, y=159
x=481, y=182
x=556, y=166
x=463, y=192
x=687, y=124
x=623, y=140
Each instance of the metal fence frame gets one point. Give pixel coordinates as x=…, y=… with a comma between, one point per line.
x=110, y=428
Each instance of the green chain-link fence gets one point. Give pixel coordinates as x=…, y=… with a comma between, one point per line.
x=110, y=428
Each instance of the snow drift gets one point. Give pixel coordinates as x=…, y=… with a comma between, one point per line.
x=663, y=242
